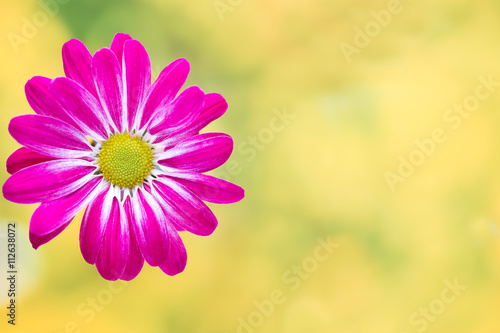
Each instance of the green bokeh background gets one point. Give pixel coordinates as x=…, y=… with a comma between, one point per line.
x=323, y=176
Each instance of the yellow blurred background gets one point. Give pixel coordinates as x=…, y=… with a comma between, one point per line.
x=366, y=138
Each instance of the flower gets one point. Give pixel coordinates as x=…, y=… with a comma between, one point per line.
x=105, y=138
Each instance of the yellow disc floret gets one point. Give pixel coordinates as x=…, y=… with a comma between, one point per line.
x=125, y=160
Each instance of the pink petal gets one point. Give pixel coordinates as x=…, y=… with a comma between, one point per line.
x=42, y=101
x=114, y=252
x=165, y=88
x=184, y=109
x=49, y=136
x=209, y=188
x=48, y=181
x=37, y=241
x=23, y=158
x=135, y=259
x=81, y=106
x=50, y=217
x=138, y=79
x=185, y=209
x=93, y=225
x=117, y=45
x=200, y=153
x=150, y=228
x=178, y=228
x=214, y=106
x=177, y=257
x=108, y=78
x=77, y=62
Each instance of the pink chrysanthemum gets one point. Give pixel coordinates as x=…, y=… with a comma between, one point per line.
x=106, y=138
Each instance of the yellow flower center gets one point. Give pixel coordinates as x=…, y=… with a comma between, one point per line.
x=125, y=160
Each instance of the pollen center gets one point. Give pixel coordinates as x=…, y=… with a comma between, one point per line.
x=125, y=160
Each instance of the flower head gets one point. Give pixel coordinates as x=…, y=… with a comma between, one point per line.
x=105, y=138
